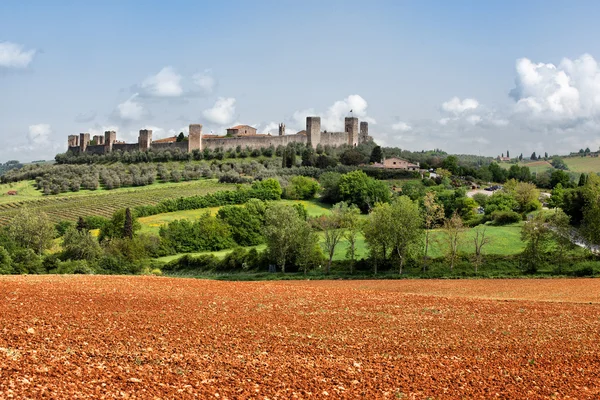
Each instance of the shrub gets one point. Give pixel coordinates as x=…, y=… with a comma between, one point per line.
x=505, y=217
x=302, y=188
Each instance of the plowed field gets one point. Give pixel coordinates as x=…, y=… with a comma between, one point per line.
x=148, y=337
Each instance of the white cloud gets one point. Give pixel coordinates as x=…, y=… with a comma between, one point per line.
x=167, y=83
x=39, y=134
x=333, y=119
x=401, y=126
x=458, y=106
x=222, y=112
x=130, y=110
x=568, y=90
x=205, y=81
x=12, y=55
x=474, y=119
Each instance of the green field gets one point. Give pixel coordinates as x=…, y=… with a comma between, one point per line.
x=504, y=240
x=534, y=166
x=152, y=223
x=70, y=206
x=583, y=164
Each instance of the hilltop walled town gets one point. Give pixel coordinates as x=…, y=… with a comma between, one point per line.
x=240, y=135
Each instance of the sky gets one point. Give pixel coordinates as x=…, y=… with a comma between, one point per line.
x=476, y=77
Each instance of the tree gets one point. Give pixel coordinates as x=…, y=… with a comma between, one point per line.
x=559, y=176
x=591, y=209
x=525, y=194
x=81, y=225
x=377, y=232
x=536, y=234
x=533, y=156
x=433, y=213
x=558, y=163
x=180, y=137
x=330, y=187
x=352, y=157
x=32, y=230
x=546, y=155
x=357, y=188
x=561, y=230
x=333, y=230
x=376, y=155
x=308, y=157
x=246, y=222
x=451, y=164
x=582, y=179
x=479, y=240
x=5, y=262
x=507, y=154
x=80, y=245
x=114, y=228
x=453, y=232
x=128, y=224
x=302, y=188
x=282, y=228
x=352, y=224
x=308, y=250
x=521, y=157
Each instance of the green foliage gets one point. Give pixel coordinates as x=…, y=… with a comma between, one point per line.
x=62, y=227
x=5, y=262
x=500, y=201
x=32, y=230
x=359, y=189
x=207, y=233
x=80, y=245
x=245, y=223
x=330, y=187
x=352, y=157
x=536, y=234
x=504, y=217
x=26, y=261
x=302, y=188
x=559, y=177
x=114, y=229
x=376, y=155
x=481, y=199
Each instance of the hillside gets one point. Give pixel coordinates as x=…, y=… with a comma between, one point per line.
x=583, y=164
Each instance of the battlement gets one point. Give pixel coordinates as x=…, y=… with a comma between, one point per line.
x=238, y=136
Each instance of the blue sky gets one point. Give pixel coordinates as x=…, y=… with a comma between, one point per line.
x=464, y=76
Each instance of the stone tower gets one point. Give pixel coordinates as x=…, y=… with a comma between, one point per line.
x=84, y=140
x=195, y=137
x=281, y=129
x=99, y=140
x=313, y=131
x=110, y=137
x=364, y=132
x=145, y=139
x=73, y=141
x=351, y=128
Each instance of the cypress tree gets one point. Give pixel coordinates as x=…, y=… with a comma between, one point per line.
x=81, y=225
x=128, y=227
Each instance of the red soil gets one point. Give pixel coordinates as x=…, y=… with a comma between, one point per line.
x=147, y=337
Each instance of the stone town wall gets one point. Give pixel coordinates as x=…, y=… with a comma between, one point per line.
x=97, y=149
x=126, y=147
x=334, y=138
x=251, y=142
x=183, y=146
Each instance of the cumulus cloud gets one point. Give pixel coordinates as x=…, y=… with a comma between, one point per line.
x=12, y=55
x=130, y=110
x=568, y=90
x=166, y=83
x=458, y=106
x=333, y=119
x=401, y=126
x=205, y=81
x=222, y=113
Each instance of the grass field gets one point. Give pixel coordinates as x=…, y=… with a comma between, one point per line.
x=504, y=240
x=152, y=223
x=583, y=164
x=70, y=206
x=534, y=166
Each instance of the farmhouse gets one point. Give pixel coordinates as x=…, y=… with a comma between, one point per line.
x=397, y=163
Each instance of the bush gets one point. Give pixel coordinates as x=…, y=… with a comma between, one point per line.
x=302, y=188
x=505, y=217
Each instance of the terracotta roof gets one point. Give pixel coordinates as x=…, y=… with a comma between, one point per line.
x=242, y=126
x=166, y=140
